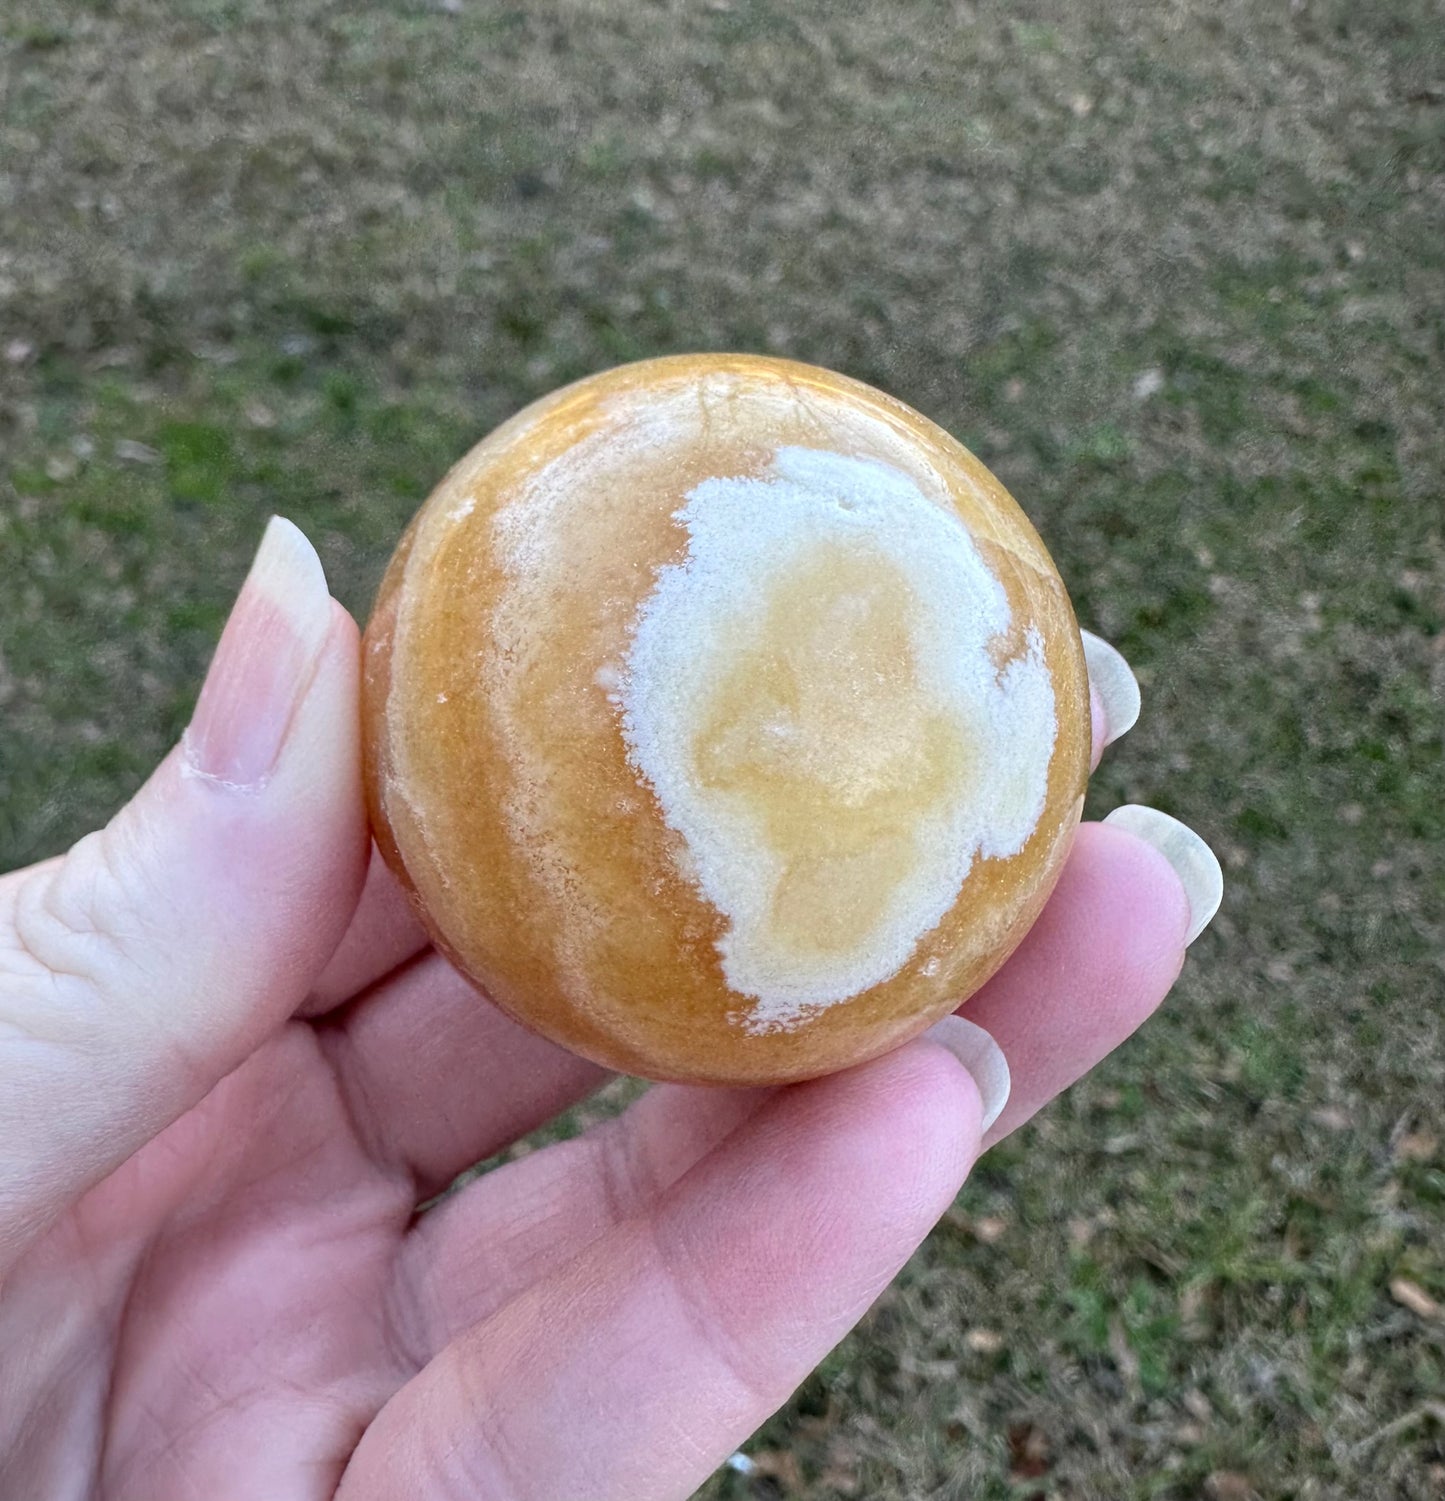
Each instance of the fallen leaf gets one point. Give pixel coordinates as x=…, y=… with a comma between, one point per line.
x=984, y=1341
x=1148, y=383
x=1028, y=1452
x=1331, y=1117
x=130, y=452
x=782, y=1465
x=1417, y=1146
x=1414, y=1297
x=1081, y=1232
x=1229, y=1485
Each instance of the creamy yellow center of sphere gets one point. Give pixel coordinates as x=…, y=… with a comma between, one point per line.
x=814, y=696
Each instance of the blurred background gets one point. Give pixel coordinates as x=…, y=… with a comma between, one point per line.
x=1175, y=271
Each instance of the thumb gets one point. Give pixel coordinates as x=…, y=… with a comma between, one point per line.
x=140, y=968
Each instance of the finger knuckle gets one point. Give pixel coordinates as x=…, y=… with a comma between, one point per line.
x=80, y=922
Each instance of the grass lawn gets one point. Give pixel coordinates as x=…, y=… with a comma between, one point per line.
x=1175, y=271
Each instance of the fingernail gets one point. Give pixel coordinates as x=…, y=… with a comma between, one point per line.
x=1113, y=680
x=982, y=1057
x=264, y=663
x=1193, y=861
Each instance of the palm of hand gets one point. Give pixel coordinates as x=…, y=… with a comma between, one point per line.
x=228, y=1312
x=238, y=1279
x=217, y=1277
x=251, y=1306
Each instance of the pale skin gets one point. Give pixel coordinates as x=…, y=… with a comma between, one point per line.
x=232, y=1069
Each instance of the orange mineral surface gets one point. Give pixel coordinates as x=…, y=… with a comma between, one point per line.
x=726, y=718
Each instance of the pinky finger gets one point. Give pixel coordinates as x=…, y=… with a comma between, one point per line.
x=1102, y=956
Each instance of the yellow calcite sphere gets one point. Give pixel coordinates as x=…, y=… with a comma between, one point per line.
x=725, y=718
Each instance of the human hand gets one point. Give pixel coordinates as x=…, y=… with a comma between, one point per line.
x=231, y=1069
